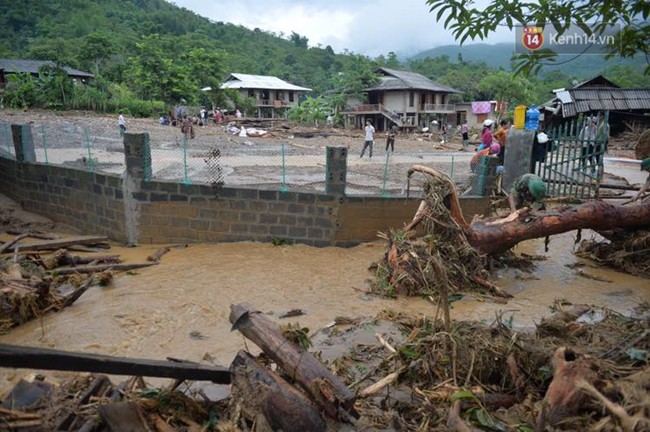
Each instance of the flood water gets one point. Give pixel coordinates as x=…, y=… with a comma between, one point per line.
x=180, y=308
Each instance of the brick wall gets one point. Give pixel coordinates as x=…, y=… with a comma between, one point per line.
x=82, y=199
x=168, y=212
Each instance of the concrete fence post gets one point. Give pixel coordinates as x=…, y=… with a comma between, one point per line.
x=336, y=170
x=137, y=158
x=23, y=142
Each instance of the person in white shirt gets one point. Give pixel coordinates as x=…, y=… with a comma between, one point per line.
x=122, y=124
x=370, y=138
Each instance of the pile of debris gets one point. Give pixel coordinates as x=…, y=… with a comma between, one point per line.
x=622, y=250
x=41, y=276
x=574, y=372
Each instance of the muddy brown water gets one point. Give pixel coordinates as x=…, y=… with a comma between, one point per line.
x=180, y=308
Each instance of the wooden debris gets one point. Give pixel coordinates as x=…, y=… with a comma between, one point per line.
x=379, y=385
x=100, y=268
x=10, y=243
x=158, y=254
x=292, y=313
x=123, y=416
x=323, y=387
x=264, y=393
x=49, y=359
x=60, y=243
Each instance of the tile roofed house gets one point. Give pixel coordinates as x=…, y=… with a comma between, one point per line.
x=405, y=98
x=403, y=80
x=14, y=66
x=272, y=95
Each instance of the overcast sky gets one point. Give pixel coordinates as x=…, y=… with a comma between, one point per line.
x=369, y=27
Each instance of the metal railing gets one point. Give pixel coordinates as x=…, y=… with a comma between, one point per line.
x=441, y=108
x=217, y=158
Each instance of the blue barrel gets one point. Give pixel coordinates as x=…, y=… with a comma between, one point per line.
x=532, y=118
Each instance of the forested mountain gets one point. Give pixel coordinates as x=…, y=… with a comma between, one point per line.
x=149, y=53
x=498, y=56
x=105, y=35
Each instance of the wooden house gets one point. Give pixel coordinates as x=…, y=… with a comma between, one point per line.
x=272, y=95
x=628, y=107
x=407, y=99
x=33, y=67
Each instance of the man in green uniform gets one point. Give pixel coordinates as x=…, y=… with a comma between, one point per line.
x=527, y=191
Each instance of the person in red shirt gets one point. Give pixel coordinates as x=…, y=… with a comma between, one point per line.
x=486, y=135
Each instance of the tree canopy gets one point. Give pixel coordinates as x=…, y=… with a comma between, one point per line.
x=468, y=21
x=152, y=50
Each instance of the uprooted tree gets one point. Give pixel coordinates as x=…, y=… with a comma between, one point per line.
x=453, y=253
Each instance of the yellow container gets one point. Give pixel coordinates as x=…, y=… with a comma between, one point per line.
x=520, y=116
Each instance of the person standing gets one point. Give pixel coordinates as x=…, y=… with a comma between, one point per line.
x=588, y=137
x=370, y=138
x=527, y=191
x=445, y=133
x=486, y=135
x=390, y=138
x=501, y=135
x=464, y=129
x=122, y=124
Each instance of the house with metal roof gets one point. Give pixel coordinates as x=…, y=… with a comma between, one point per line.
x=628, y=107
x=272, y=95
x=33, y=67
x=407, y=99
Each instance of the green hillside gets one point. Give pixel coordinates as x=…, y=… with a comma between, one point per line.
x=498, y=56
x=149, y=54
x=105, y=35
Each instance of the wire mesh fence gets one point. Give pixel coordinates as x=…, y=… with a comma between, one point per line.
x=386, y=174
x=212, y=157
x=6, y=141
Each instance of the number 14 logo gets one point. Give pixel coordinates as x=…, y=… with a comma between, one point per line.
x=533, y=38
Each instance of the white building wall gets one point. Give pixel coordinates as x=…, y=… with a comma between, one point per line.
x=395, y=101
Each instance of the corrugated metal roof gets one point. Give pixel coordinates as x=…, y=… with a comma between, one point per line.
x=33, y=66
x=402, y=80
x=245, y=81
x=564, y=96
x=581, y=100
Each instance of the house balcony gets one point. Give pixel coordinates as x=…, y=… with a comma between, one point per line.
x=439, y=108
x=272, y=103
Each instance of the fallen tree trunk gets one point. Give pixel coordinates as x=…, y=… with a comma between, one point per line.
x=489, y=237
x=49, y=359
x=324, y=388
x=100, y=268
x=59, y=243
x=261, y=391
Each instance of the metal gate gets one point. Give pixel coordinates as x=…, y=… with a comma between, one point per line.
x=571, y=162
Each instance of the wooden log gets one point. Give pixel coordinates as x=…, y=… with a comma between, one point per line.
x=155, y=257
x=12, y=242
x=123, y=416
x=69, y=300
x=101, y=268
x=76, y=259
x=49, y=359
x=262, y=391
x=596, y=215
x=323, y=387
x=60, y=243
x=32, y=234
